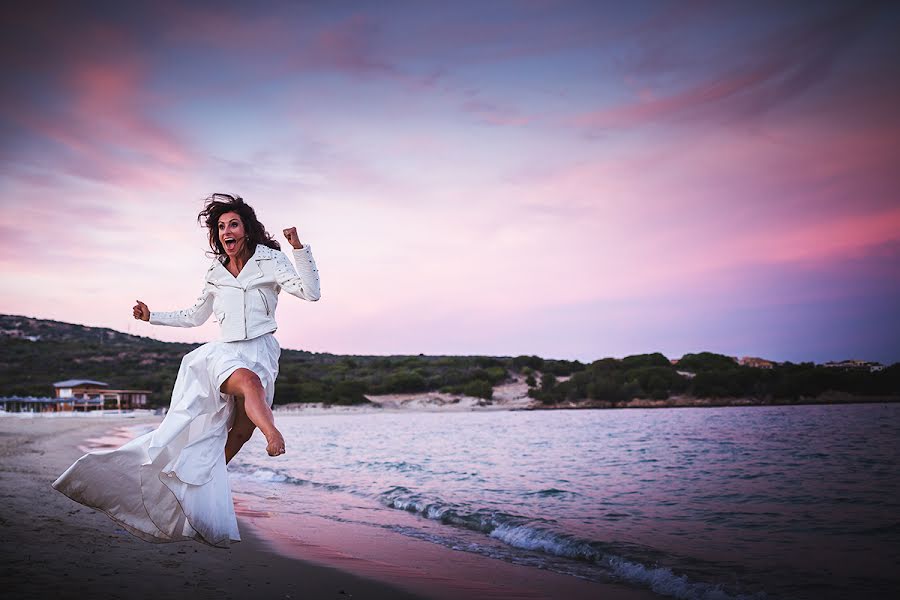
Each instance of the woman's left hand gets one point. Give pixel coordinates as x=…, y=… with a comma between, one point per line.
x=293, y=240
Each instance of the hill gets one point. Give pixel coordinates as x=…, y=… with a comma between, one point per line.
x=36, y=352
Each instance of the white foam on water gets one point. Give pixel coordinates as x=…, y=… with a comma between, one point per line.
x=663, y=581
x=530, y=538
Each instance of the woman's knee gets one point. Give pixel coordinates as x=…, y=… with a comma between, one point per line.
x=242, y=381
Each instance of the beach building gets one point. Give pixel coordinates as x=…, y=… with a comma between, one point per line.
x=87, y=394
x=32, y=404
x=855, y=365
x=78, y=395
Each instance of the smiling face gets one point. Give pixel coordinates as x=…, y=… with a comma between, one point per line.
x=232, y=235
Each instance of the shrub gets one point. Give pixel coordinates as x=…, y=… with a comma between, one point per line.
x=402, y=382
x=535, y=363
x=479, y=388
x=657, y=359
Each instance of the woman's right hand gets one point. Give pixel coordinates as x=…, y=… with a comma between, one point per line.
x=141, y=311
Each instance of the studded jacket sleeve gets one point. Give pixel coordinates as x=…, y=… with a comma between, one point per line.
x=189, y=317
x=303, y=281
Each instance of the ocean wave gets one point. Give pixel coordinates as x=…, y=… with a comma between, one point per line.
x=526, y=533
x=663, y=581
x=659, y=579
x=482, y=520
x=275, y=476
x=551, y=492
x=401, y=466
x=536, y=535
x=528, y=537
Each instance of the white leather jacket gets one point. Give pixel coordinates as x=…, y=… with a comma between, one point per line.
x=245, y=305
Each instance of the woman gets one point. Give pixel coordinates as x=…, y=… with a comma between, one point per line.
x=171, y=484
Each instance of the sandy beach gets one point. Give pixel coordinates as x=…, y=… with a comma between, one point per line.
x=52, y=545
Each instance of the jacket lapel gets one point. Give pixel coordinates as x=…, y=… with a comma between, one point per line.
x=252, y=270
x=219, y=275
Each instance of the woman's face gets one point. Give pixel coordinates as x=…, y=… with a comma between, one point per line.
x=232, y=235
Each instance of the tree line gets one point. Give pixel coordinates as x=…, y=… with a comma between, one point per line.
x=67, y=351
x=709, y=375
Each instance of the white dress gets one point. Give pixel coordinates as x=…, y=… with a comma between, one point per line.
x=172, y=484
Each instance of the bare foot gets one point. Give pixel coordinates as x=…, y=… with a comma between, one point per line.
x=276, y=443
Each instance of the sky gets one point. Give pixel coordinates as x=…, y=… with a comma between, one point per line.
x=574, y=180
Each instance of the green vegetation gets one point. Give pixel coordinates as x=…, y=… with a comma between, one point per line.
x=714, y=376
x=66, y=351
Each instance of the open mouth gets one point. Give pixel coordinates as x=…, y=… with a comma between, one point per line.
x=229, y=243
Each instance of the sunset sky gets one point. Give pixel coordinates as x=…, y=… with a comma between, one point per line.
x=569, y=179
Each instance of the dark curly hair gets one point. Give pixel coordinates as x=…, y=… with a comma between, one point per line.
x=219, y=204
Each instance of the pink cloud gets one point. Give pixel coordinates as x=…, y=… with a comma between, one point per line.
x=111, y=97
x=678, y=215
x=99, y=128
x=836, y=237
x=230, y=28
x=350, y=45
x=494, y=114
x=82, y=104
x=744, y=81
x=652, y=107
x=288, y=42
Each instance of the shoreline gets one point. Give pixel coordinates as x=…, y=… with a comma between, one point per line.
x=420, y=567
x=52, y=545
x=691, y=402
x=442, y=402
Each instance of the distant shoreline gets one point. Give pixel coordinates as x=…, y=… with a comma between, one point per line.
x=690, y=402
x=441, y=402
x=432, y=402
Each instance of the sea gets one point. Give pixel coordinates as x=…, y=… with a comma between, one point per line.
x=779, y=502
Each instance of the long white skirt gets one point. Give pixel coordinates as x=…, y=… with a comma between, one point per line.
x=171, y=484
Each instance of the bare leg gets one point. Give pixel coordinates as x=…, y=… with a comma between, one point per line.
x=240, y=431
x=245, y=384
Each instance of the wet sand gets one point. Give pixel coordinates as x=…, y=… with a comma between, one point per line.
x=53, y=547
